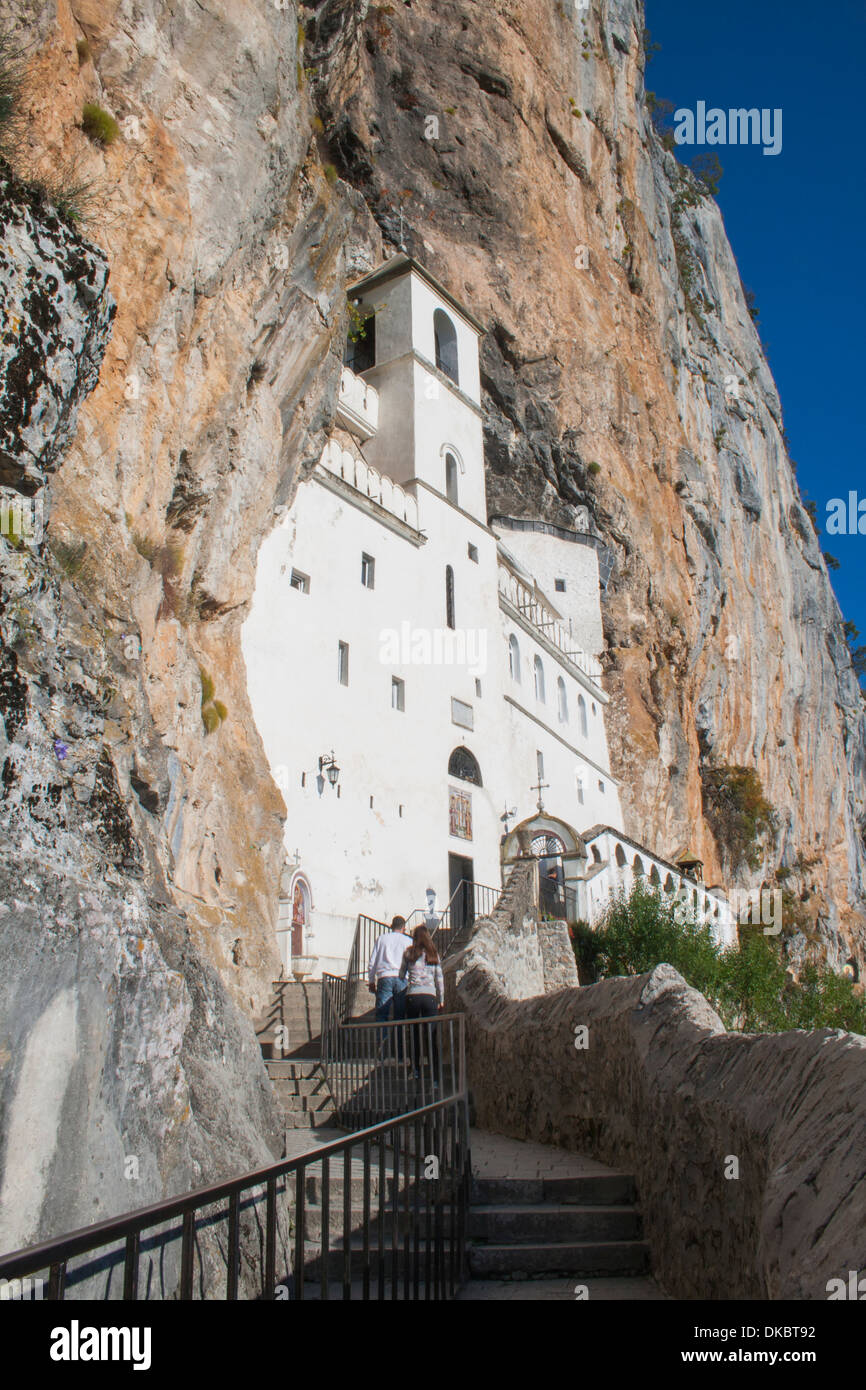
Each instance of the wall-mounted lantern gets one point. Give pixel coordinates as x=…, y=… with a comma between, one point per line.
x=328, y=766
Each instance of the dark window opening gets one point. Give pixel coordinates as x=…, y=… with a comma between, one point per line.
x=464, y=765
x=361, y=344
x=449, y=596
x=445, y=336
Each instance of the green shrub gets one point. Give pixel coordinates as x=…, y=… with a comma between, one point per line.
x=593, y=469
x=210, y=719
x=98, y=125
x=85, y=55
x=748, y=985
x=330, y=173
x=213, y=712
x=738, y=813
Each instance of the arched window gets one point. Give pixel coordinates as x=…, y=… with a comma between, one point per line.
x=449, y=596
x=464, y=765
x=451, y=478
x=563, y=701
x=655, y=877
x=581, y=714
x=620, y=857
x=596, y=856
x=514, y=658
x=539, y=680
x=445, y=337
x=670, y=886
x=637, y=866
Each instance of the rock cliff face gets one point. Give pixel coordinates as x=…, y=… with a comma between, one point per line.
x=264, y=160
x=622, y=372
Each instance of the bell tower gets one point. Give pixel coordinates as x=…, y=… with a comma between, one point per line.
x=413, y=341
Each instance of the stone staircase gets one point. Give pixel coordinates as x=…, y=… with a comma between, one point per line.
x=551, y=1218
x=289, y=1035
x=585, y=1227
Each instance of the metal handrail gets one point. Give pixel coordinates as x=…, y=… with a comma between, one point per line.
x=439, y=1129
x=375, y=1070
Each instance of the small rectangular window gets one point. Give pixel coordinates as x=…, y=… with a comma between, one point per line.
x=301, y=582
x=461, y=714
x=539, y=762
x=601, y=787
x=473, y=552
x=368, y=571
x=398, y=693
x=343, y=663
x=478, y=689
x=559, y=585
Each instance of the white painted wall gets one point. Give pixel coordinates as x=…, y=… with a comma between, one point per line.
x=375, y=845
x=550, y=558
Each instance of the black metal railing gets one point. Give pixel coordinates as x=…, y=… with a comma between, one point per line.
x=468, y=902
x=367, y=932
x=375, y=1071
x=395, y=1229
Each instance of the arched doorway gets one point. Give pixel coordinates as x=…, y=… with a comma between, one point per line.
x=548, y=849
x=296, y=913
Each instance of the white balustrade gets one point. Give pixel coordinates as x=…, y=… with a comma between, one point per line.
x=526, y=603
x=358, y=402
x=367, y=480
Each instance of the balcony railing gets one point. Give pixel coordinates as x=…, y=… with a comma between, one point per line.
x=361, y=476
x=521, y=597
x=358, y=405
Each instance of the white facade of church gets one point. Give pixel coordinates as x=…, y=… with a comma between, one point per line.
x=447, y=667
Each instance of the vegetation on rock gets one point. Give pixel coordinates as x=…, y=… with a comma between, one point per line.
x=749, y=986
x=98, y=124
x=737, y=812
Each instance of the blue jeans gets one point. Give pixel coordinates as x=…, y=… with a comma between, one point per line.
x=388, y=991
x=391, y=988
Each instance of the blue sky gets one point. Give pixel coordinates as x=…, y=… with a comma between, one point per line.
x=795, y=220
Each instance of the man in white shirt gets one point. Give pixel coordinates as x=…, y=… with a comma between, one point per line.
x=383, y=975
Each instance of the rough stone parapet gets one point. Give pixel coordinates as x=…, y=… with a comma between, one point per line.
x=747, y=1149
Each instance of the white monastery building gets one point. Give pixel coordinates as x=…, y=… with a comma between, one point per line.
x=427, y=681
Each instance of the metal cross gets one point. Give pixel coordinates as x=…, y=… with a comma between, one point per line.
x=539, y=787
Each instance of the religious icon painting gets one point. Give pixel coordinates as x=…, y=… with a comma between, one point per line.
x=460, y=814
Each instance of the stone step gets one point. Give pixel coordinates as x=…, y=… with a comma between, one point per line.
x=306, y=1105
x=559, y=1257
x=313, y=1220
x=336, y=1257
x=608, y=1190
x=307, y=1119
x=509, y=1225
x=286, y=1086
x=294, y=1068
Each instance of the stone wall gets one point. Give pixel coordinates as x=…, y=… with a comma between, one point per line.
x=662, y=1090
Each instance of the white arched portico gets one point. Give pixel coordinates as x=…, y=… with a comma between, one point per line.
x=561, y=856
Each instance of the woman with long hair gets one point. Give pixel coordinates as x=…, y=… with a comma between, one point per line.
x=425, y=992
